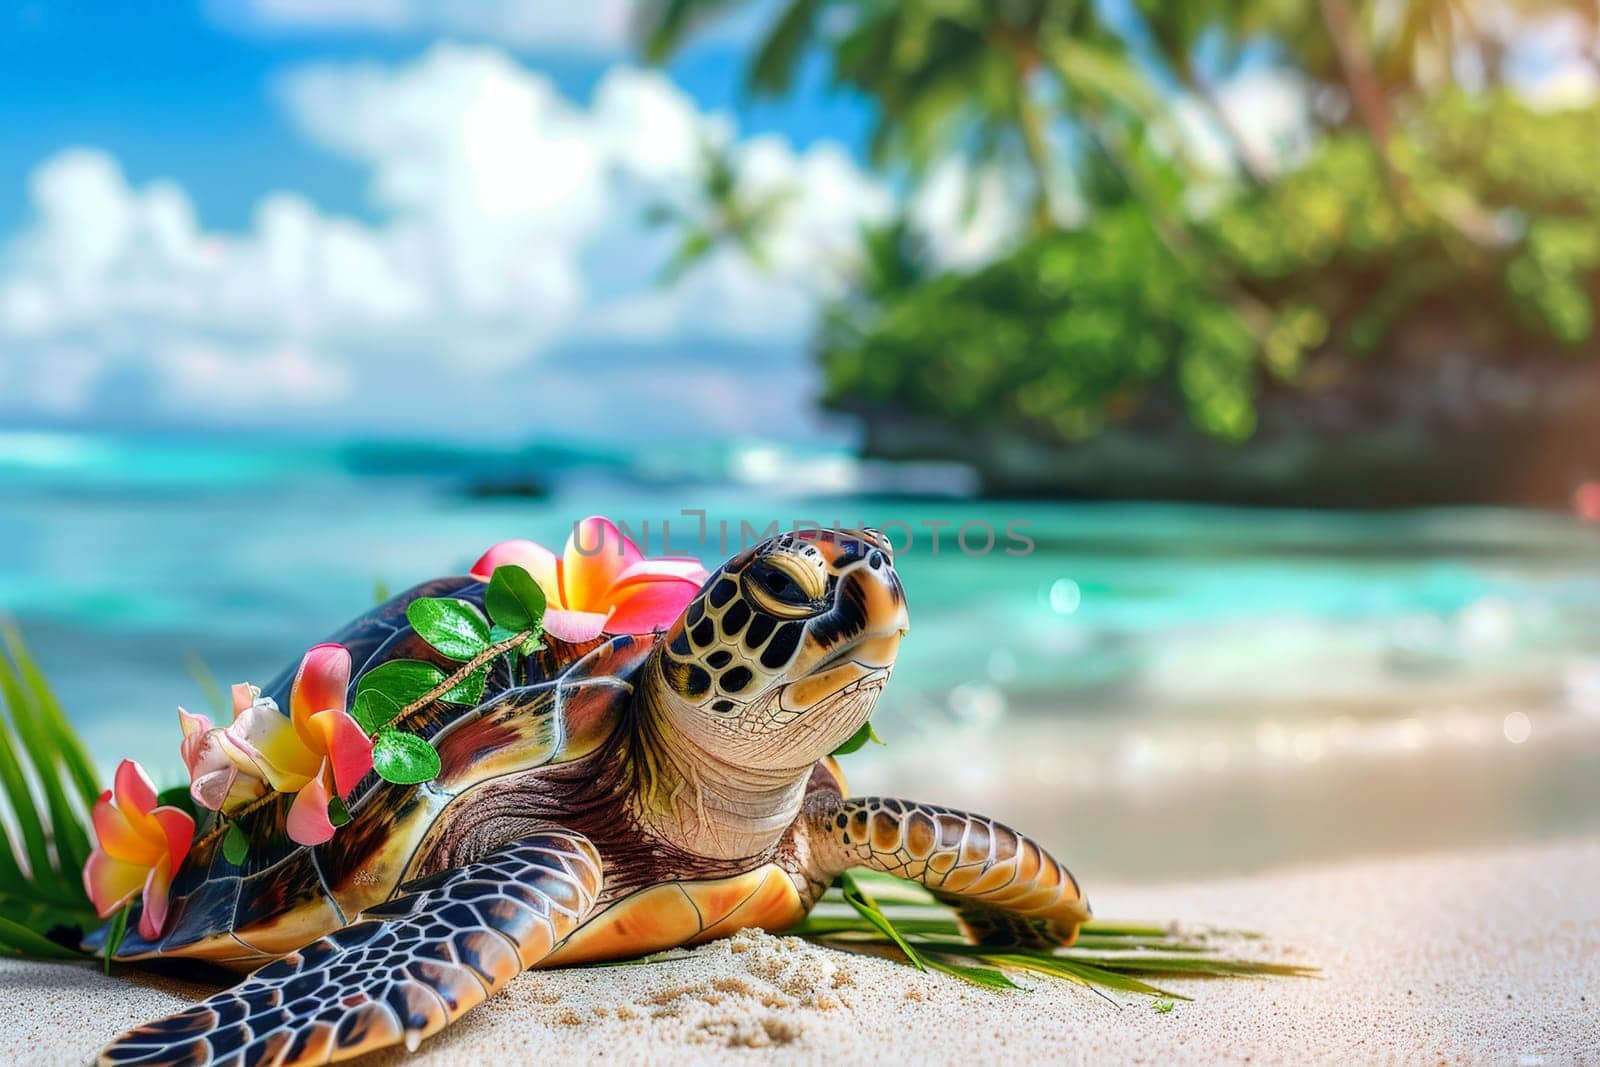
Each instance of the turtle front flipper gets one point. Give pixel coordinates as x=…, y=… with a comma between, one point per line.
x=1006, y=888
x=411, y=965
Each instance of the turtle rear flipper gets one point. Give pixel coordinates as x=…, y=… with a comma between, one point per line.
x=411, y=966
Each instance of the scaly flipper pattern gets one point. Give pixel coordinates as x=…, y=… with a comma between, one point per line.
x=411, y=966
x=1005, y=887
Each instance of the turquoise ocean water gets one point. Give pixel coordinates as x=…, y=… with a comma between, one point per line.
x=1167, y=689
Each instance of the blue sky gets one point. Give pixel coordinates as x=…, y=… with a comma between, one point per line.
x=356, y=217
x=148, y=120
x=182, y=90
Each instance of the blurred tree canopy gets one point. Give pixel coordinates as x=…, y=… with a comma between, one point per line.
x=1432, y=211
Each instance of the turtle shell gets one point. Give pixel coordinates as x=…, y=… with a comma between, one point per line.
x=283, y=894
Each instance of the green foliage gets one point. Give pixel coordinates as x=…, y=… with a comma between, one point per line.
x=1079, y=329
x=338, y=814
x=514, y=600
x=859, y=739
x=390, y=686
x=114, y=936
x=1427, y=219
x=49, y=787
x=1107, y=956
x=404, y=758
x=235, y=844
x=1066, y=333
x=454, y=628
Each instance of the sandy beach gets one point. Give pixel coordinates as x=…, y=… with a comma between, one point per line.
x=1483, y=957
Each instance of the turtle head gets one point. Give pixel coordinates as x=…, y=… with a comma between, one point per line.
x=783, y=653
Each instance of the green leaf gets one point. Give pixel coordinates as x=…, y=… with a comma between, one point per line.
x=74, y=754
x=401, y=681
x=453, y=627
x=1103, y=928
x=470, y=689
x=403, y=758
x=887, y=889
x=857, y=898
x=1067, y=967
x=66, y=825
x=822, y=925
x=858, y=739
x=987, y=977
x=235, y=845
x=338, y=814
x=18, y=940
x=514, y=599
x=374, y=710
x=119, y=930
x=1162, y=1006
x=533, y=644
x=23, y=808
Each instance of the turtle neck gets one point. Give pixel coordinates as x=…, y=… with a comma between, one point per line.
x=701, y=803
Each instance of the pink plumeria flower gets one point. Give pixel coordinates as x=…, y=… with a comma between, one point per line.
x=220, y=776
x=139, y=847
x=314, y=752
x=602, y=583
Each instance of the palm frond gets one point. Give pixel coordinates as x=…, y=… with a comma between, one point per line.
x=49, y=788
x=1117, y=956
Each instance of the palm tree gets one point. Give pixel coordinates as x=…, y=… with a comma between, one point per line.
x=721, y=212
x=986, y=78
x=1176, y=31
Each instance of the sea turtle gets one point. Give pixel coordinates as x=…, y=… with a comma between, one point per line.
x=609, y=800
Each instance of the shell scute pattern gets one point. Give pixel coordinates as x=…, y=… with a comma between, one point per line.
x=282, y=892
x=381, y=982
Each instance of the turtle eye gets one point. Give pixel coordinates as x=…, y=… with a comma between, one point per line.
x=784, y=586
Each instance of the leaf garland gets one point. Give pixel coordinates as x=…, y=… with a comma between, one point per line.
x=457, y=630
x=404, y=758
x=235, y=844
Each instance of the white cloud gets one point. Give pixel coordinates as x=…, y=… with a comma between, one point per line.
x=509, y=230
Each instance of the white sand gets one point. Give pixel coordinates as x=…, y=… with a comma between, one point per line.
x=1480, y=957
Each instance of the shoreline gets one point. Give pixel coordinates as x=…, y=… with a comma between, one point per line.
x=1481, y=955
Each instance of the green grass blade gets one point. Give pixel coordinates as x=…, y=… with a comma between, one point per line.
x=18, y=940
x=41, y=887
x=887, y=889
x=66, y=825
x=1065, y=965
x=1128, y=944
x=1103, y=928
x=118, y=931
x=1201, y=967
x=987, y=977
x=823, y=925
x=68, y=745
x=20, y=797
x=1079, y=980
x=857, y=898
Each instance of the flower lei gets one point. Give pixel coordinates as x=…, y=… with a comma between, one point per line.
x=324, y=747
